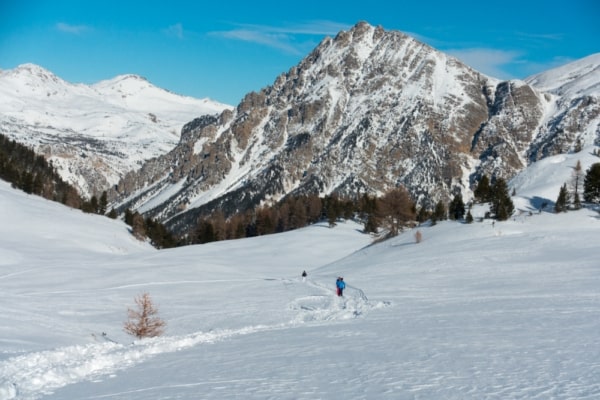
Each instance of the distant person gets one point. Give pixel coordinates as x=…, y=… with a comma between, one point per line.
x=340, y=285
x=304, y=276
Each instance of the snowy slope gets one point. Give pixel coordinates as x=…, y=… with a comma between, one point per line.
x=109, y=128
x=578, y=78
x=572, y=115
x=474, y=311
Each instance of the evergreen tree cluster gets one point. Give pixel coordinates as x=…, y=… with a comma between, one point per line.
x=20, y=166
x=33, y=174
x=589, y=183
x=142, y=228
x=291, y=213
x=392, y=211
x=562, y=202
x=497, y=194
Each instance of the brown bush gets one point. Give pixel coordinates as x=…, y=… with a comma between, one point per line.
x=144, y=322
x=396, y=210
x=418, y=236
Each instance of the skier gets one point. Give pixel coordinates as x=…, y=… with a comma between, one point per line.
x=304, y=276
x=340, y=285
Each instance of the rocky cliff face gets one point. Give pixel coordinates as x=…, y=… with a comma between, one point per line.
x=573, y=118
x=364, y=112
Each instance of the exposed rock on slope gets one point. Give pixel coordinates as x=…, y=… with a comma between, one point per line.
x=573, y=119
x=364, y=112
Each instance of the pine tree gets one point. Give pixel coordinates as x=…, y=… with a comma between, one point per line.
x=103, y=203
x=93, y=205
x=371, y=225
x=128, y=217
x=456, y=208
x=576, y=185
x=578, y=145
x=138, y=226
x=469, y=217
x=423, y=215
x=38, y=184
x=368, y=213
x=334, y=209
x=563, y=199
x=501, y=204
x=482, y=191
x=439, y=213
x=27, y=182
x=205, y=232
x=591, y=184
x=332, y=215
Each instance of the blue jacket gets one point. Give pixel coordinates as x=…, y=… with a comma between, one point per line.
x=340, y=284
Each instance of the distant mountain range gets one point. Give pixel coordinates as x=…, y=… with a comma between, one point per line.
x=364, y=112
x=94, y=134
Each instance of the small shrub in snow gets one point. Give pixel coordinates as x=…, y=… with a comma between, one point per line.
x=418, y=237
x=144, y=322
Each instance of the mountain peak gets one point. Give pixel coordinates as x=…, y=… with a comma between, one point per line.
x=130, y=77
x=127, y=82
x=34, y=71
x=364, y=112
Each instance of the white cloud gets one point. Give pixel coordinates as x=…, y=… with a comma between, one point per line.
x=283, y=38
x=492, y=62
x=175, y=30
x=274, y=40
x=72, y=29
x=320, y=27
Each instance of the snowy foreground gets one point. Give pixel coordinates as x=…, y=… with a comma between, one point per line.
x=480, y=311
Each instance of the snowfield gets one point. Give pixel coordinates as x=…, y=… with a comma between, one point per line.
x=114, y=125
x=505, y=310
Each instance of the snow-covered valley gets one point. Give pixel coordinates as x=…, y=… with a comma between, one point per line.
x=480, y=311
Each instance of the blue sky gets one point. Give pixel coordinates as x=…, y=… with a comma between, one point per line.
x=223, y=50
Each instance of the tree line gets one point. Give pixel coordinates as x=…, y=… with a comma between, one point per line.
x=33, y=174
x=580, y=184
x=25, y=170
x=389, y=213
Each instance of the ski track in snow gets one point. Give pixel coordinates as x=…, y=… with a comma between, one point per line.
x=31, y=376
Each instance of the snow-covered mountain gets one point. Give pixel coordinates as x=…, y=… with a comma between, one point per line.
x=475, y=311
x=364, y=112
x=578, y=78
x=573, y=114
x=94, y=134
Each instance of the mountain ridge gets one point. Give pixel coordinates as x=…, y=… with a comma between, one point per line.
x=579, y=77
x=94, y=134
x=365, y=111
